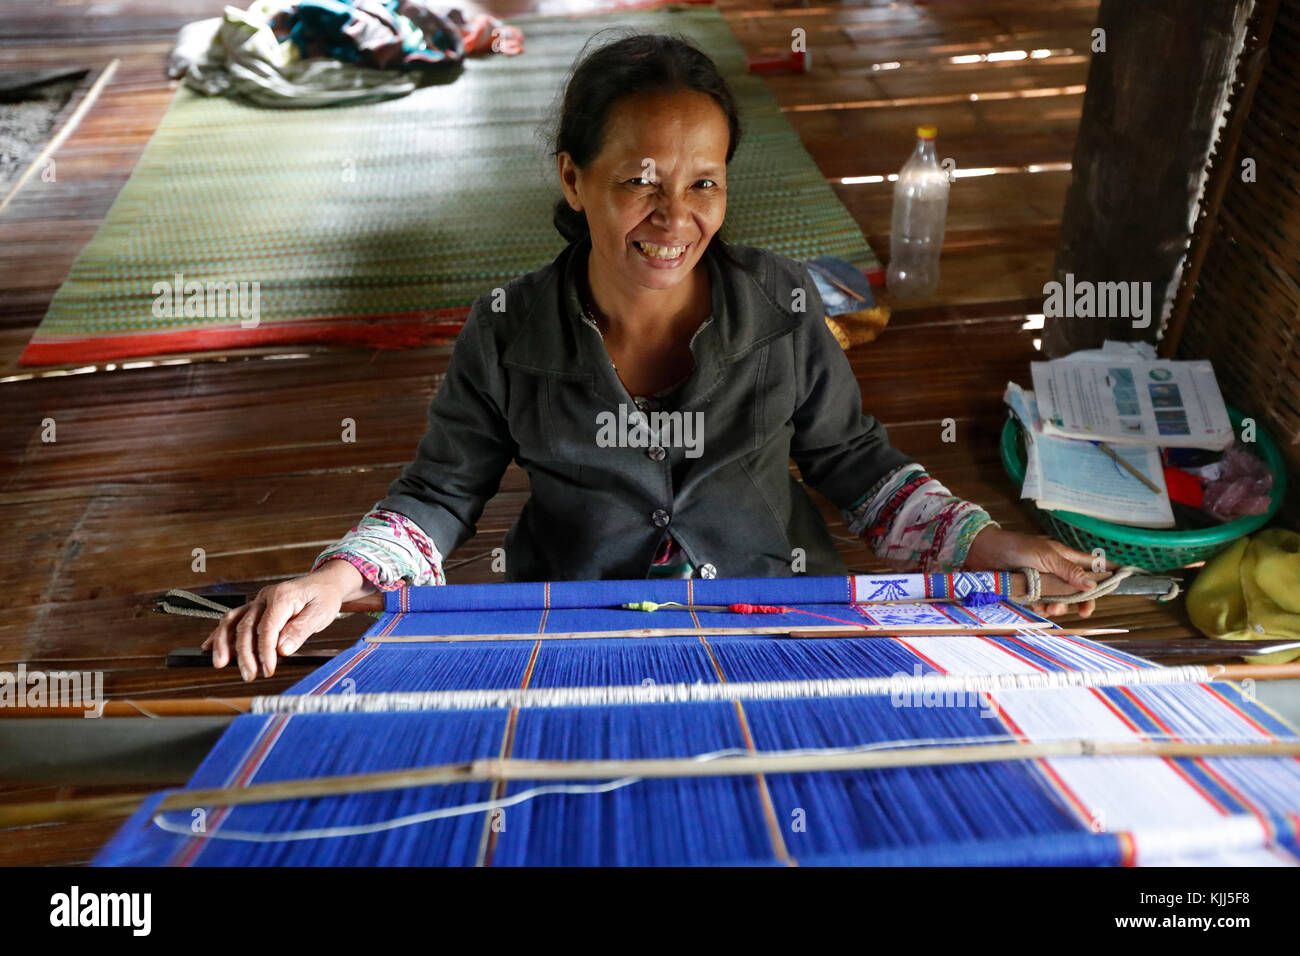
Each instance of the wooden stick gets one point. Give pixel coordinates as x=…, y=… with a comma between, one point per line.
x=814, y=631
x=1206, y=648
x=1052, y=586
x=497, y=769
x=1123, y=463
x=231, y=706
x=129, y=707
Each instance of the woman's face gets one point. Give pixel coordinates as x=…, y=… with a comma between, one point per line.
x=657, y=192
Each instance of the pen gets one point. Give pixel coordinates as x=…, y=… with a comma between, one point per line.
x=1127, y=467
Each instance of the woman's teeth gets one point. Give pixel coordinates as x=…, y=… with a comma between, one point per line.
x=659, y=252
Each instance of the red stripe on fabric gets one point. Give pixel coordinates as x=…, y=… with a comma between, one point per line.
x=1242, y=799
x=507, y=744
x=1128, y=849
x=1053, y=778
x=1232, y=706
x=764, y=795
x=244, y=771
x=1169, y=761
x=943, y=609
x=1099, y=649
x=824, y=617
x=399, y=330
x=1015, y=610
x=343, y=671
x=903, y=641
x=1010, y=653
x=1245, y=802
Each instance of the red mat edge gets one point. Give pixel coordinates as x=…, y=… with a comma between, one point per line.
x=407, y=330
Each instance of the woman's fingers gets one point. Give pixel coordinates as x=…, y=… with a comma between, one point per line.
x=1087, y=562
x=245, y=635
x=316, y=616
x=279, y=611
x=1065, y=569
x=222, y=636
x=1080, y=558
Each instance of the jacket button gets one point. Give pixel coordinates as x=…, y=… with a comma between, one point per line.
x=708, y=571
x=656, y=453
x=660, y=518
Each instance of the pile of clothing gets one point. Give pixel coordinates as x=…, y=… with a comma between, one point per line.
x=1251, y=592
x=329, y=52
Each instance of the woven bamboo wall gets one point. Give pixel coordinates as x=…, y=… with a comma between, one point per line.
x=1244, y=310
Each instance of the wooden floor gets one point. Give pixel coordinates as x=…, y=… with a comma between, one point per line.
x=242, y=457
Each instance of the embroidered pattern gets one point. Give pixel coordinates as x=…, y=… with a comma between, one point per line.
x=389, y=550
x=911, y=519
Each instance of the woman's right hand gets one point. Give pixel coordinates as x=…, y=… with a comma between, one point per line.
x=282, y=616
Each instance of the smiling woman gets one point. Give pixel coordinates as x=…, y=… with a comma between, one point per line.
x=647, y=317
x=644, y=175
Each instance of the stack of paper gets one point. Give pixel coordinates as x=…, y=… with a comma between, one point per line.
x=1071, y=475
x=1121, y=394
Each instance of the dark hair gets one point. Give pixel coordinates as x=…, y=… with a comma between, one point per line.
x=640, y=63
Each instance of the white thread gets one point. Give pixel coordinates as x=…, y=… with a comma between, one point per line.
x=393, y=823
x=509, y=698
x=364, y=829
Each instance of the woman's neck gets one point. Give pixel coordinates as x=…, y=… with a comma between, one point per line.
x=638, y=313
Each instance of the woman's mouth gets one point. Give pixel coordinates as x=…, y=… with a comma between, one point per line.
x=662, y=256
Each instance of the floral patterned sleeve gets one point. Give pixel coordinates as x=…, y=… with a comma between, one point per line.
x=389, y=550
x=911, y=520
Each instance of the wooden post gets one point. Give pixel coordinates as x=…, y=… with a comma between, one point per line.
x=1155, y=94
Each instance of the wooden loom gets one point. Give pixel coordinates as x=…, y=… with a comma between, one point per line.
x=730, y=724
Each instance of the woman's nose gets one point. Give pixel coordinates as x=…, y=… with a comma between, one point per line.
x=672, y=209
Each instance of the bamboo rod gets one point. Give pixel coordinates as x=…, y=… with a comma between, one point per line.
x=499, y=769
x=1051, y=586
x=230, y=706
x=130, y=707
x=814, y=631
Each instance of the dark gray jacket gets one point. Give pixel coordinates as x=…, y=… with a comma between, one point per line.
x=527, y=383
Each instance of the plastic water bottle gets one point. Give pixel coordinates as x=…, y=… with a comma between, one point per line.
x=916, y=230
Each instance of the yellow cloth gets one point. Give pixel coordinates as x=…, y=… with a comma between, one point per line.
x=1251, y=592
x=858, y=328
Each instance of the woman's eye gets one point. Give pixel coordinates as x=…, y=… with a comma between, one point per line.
x=642, y=181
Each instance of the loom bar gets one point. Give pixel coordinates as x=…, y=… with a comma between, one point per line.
x=1051, y=586
x=497, y=769
x=814, y=631
x=571, y=696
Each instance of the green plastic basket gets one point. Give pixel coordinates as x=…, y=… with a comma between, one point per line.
x=1153, y=550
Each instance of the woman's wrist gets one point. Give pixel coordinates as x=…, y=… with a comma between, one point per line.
x=990, y=550
x=346, y=579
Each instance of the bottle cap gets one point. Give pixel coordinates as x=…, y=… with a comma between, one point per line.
x=927, y=132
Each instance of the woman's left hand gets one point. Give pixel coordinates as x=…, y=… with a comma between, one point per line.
x=997, y=550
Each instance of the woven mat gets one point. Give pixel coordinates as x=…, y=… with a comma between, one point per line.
x=379, y=224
